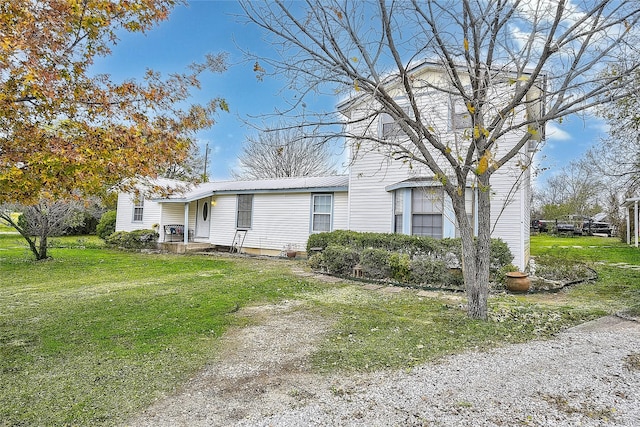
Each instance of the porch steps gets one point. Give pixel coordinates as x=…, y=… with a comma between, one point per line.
x=181, y=248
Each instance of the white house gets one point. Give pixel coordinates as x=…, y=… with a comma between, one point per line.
x=378, y=195
x=258, y=217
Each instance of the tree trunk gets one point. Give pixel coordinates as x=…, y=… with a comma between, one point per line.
x=476, y=251
x=478, y=295
x=42, y=253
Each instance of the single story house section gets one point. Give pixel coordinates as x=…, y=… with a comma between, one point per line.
x=262, y=217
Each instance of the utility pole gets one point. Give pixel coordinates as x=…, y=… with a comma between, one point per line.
x=205, y=177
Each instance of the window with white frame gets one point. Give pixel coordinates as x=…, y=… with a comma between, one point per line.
x=244, y=211
x=389, y=127
x=138, y=208
x=427, y=206
x=460, y=116
x=321, y=209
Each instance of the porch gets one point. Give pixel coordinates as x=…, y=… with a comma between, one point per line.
x=182, y=248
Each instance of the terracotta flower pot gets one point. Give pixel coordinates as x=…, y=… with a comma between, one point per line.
x=292, y=254
x=517, y=281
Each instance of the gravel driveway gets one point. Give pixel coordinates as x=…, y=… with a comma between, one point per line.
x=587, y=376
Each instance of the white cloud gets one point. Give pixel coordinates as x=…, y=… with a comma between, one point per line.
x=555, y=133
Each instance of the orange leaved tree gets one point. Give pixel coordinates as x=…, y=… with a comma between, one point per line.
x=64, y=131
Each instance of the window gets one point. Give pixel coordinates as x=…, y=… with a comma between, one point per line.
x=389, y=127
x=245, y=207
x=138, y=208
x=321, y=212
x=427, y=208
x=398, y=203
x=460, y=116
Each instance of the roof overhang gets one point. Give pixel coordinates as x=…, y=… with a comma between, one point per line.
x=331, y=184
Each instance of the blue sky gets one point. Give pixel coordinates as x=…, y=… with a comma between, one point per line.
x=211, y=27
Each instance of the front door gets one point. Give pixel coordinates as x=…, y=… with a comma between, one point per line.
x=203, y=218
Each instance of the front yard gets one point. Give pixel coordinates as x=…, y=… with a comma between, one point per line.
x=93, y=336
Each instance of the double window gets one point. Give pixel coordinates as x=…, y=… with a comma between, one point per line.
x=244, y=211
x=427, y=208
x=321, y=212
x=427, y=211
x=138, y=209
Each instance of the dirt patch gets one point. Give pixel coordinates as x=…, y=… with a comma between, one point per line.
x=262, y=369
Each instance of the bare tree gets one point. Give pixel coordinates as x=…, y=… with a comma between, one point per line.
x=282, y=153
x=618, y=155
x=500, y=58
x=191, y=168
x=578, y=189
x=38, y=222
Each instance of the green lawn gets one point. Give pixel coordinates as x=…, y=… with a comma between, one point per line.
x=93, y=335
x=590, y=249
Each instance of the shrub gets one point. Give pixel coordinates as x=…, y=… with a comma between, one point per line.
x=427, y=270
x=137, y=239
x=107, y=224
x=315, y=262
x=400, y=267
x=88, y=224
x=375, y=263
x=408, y=259
x=339, y=259
x=500, y=255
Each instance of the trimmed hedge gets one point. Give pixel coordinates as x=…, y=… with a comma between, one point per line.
x=137, y=239
x=414, y=260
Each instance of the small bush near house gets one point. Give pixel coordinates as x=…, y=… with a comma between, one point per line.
x=375, y=263
x=137, y=239
x=399, y=264
x=107, y=224
x=339, y=259
x=428, y=271
x=500, y=255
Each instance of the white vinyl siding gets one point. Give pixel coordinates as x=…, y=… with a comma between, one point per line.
x=124, y=214
x=340, y=210
x=278, y=219
x=321, y=212
x=372, y=208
